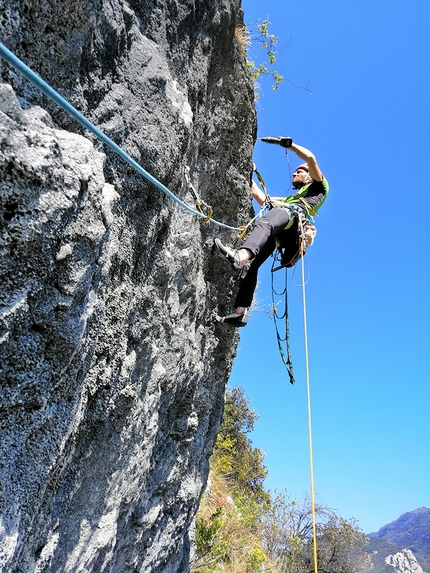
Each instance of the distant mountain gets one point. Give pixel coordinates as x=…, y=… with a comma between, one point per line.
x=411, y=531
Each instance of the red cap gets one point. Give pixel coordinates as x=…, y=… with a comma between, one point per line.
x=303, y=166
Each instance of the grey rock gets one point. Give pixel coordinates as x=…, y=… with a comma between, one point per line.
x=410, y=531
x=404, y=562
x=8, y=102
x=113, y=371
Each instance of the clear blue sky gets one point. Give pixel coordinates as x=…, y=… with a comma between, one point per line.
x=368, y=122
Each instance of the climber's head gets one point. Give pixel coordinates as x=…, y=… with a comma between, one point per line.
x=301, y=176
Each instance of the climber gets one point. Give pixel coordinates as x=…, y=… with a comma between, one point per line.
x=274, y=228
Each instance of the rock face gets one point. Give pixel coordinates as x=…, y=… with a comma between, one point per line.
x=112, y=369
x=403, y=544
x=404, y=562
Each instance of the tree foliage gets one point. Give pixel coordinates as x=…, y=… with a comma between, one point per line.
x=228, y=532
x=340, y=547
x=287, y=528
x=234, y=456
x=248, y=38
x=269, y=41
x=288, y=538
x=241, y=528
x=228, y=525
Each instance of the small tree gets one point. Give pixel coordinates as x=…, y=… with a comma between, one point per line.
x=245, y=38
x=288, y=538
x=340, y=547
x=234, y=455
x=269, y=42
x=287, y=529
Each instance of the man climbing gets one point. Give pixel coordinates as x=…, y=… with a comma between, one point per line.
x=275, y=228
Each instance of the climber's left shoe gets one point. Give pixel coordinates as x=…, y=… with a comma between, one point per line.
x=232, y=257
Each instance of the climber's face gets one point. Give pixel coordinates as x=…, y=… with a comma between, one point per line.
x=300, y=175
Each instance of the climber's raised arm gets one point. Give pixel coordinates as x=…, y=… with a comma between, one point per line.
x=306, y=155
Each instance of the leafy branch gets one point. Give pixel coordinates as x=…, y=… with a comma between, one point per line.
x=269, y=43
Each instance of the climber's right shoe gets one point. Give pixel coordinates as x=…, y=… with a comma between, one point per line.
x=234, y=319
x=232, y=257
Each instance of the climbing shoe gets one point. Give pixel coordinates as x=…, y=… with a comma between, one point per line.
x=234, y=319
x=232, y=257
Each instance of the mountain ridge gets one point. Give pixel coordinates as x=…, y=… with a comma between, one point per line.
x=410, y=531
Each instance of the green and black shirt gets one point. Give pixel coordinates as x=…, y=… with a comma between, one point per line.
x=310, y=196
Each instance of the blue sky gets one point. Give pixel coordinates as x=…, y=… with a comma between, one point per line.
x=368, y=123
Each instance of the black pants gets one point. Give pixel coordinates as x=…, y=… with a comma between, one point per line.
x=261, y=242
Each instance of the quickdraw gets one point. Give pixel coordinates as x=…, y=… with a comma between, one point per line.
x=265, y=206
x=244, y=229
x=200, y=204
x=260, y=179
x=208, y=215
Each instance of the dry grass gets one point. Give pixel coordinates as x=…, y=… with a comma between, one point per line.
x=236, y=544
x=243, y=39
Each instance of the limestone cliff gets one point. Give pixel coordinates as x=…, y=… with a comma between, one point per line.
x=112, y=368
x=404, y=562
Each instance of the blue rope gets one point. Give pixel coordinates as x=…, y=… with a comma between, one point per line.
x=59, y=100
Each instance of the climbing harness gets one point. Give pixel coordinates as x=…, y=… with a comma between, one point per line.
x=303, y=231
x=37, y=81
x=292, y=200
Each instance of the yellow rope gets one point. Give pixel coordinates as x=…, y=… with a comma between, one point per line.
x=308, y=389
